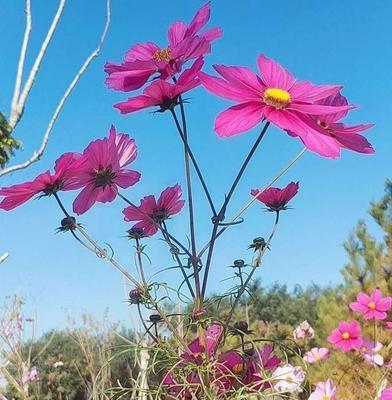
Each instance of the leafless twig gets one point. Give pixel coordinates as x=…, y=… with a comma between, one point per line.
x=23, y=97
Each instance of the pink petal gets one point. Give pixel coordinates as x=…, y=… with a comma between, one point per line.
x=305, y=128
x=136, y=104
x=226, y=89
x=212, y=34
x=239, y=118
x=308, y=93
x=242, y=76
x=316, y=109
x=143, y=51
x=85, y=200
x=199, y=20
x=273, y=74
x=127, y=178
x=176, y=33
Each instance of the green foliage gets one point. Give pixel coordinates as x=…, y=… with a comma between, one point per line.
x=7, y=143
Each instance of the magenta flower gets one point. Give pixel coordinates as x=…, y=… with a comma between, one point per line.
x=276, y=199
x=388, y=325
x=277, y=97
x=324, y=391
x=103, y=170
x=144, y=60
x=346, y=136
x=346, y=336
x=386, y=394
x=373, y=306
x=152, y=212
x=163, y=94
x=46, y=184
x=316, y=354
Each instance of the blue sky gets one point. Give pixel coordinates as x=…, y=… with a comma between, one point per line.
x=326, y=42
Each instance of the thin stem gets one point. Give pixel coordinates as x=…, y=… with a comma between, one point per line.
x=192, y=157
x=248, y=279
x=190, y=205
x=253, y=199
x=139, y=257
x=179, y=244
x=147, y=329
x=225, y=204
x=179, y=262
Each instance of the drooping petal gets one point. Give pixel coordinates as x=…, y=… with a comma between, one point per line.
x=85, y=200
x=200, y=19
x=136, y=104
x=238, y=119
x=176, y=33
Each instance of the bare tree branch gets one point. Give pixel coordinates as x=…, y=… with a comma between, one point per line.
x=17, y=110
x=37, y=154
x=22, y=58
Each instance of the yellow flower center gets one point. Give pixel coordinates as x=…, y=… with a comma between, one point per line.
x=238, y=369
x=277, y=98
x=345, y=336
x=326, y=398
x=372, y=305
x=162, y=55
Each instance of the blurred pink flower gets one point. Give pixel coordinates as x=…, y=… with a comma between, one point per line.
x=31, y=375
x=386, y=394
x=147, y=59
x=161, y=93
x=152, y=212
x=373, y=306
x=370, y=351
x=303, y=330
x=324, y=391
x=316, y=354
x=276, y=199
x=388, y=325
x=346, y=336
x=277, y=97
x=103, y=170
x=46, y=183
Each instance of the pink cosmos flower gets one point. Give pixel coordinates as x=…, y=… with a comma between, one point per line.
x=144, y=60
x=163, y=94
x=388, y=325
x=47, y=183
x=277, y=97
x=370, y=351
x=346, y=136
x=316, y=354
x=276, y=199
x=373, y=306
x=346, y=336
x=256, y=365
x=386, y=394
x=152, y=212
x=324, y=391
x=103, y=170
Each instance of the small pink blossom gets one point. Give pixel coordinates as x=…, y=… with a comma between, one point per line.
x=142, y=61
x=276, y=199
x=324, y=391
x=373, y=306
x=388, y=325
x=103, y=170
x=386, y=394
x=163, y=94
x=277, y=97
x=31, y=375
x=347, y=336
x=152, y=212
x=370, y=352
x=316, y=354
x=45, y=184
x=303, y=330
